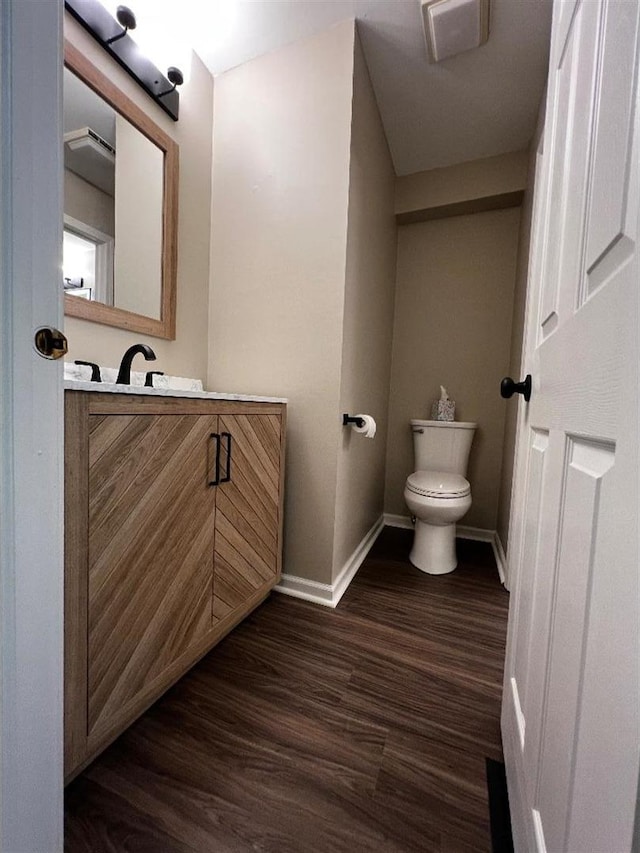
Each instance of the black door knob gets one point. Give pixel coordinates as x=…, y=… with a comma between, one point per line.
x=50, y=342
x=508, y=387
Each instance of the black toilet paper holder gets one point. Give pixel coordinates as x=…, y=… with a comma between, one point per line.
x=352, y=419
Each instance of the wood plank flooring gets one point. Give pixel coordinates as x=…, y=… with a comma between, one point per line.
x=364, y=728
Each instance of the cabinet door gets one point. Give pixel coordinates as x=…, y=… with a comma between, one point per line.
x=247, y=511
x=151, y=523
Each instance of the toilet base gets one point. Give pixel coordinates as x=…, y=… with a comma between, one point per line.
x=434, y=548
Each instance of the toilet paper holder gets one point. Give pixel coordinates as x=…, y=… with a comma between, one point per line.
x=351, y=419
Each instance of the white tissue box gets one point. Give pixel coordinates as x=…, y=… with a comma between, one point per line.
x=443, y=410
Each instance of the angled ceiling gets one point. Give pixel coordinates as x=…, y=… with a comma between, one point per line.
x=478, y=104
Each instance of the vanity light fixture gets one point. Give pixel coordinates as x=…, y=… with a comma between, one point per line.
x=99, y=22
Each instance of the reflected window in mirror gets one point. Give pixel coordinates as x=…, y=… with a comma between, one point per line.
x=87, y=261
x=120, y=206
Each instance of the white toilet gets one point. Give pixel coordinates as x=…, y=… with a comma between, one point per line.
x=437, y=493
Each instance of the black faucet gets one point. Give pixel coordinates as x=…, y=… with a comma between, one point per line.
x=124, y=374
x=95, y=370
x=148, y=379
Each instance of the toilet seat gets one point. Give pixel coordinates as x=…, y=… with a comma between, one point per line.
x=438, y=484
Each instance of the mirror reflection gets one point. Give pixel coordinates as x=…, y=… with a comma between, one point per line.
x=113, y=205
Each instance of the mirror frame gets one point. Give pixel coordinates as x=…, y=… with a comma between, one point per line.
x=109, y=315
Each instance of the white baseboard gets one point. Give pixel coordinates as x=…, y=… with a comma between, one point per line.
x=501, y=560
x=403, y=521
x=330, y=594
x=479, y=534
x=354, y=562
x=318, y=593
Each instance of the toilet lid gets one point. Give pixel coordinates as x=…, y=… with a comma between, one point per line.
x=438, y=484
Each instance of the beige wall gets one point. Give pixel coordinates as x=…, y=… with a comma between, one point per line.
x=88, y=204
x=138, y=250
x=453, y=310
x=279, y=238
x=368, y=321
x=492, y=176
x=517, y=337
x=187, y=355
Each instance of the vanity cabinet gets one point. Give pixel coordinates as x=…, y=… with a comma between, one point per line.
x=173, y=533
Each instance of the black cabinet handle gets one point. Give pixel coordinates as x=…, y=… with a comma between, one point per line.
x=227, y=476
x=508, y=387
x=216, y=479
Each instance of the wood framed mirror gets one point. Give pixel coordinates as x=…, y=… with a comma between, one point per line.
x=120, y=207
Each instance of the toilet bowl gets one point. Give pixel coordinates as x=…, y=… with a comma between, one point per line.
x=437, y=493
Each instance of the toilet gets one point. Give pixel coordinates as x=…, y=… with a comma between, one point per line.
x=437, y=493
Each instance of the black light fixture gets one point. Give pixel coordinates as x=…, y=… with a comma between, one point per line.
x=126, y=19
x=101, y=25
x=174, y=76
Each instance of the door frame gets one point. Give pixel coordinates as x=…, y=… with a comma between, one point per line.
x=31, y=435
x=521, y=464
x=534, y=261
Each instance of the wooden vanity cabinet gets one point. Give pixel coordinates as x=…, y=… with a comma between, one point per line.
x=173, y=533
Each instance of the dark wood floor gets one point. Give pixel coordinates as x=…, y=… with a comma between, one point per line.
x=360, y=729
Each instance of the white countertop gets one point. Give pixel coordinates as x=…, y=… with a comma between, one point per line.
x=112, y=388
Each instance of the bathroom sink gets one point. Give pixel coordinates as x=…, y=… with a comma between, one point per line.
x=78, y=378
x=109, y=375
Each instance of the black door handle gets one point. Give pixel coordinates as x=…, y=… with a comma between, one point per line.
x=508, y=387
x=50, y=342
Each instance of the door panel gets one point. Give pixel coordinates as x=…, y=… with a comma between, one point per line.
x=150, y=552
x=570, y=127
x=531, y=677
x=528, y=591
x=247, y=511
x=611, y=152
x=586, y=464
x=31, y=436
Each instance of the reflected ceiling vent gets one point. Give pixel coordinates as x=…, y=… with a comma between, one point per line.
x=91, y=157
x=87, y=140
x=454, y=26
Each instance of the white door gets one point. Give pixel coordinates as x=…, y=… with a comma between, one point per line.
x=30, y=428
x=570, y=707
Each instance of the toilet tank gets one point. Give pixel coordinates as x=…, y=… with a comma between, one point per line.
x=442, y=445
